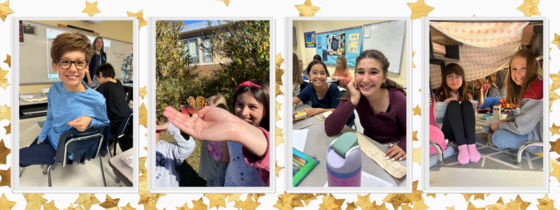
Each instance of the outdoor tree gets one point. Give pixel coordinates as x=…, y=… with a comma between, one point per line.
x=247, y=46
x=175, y=68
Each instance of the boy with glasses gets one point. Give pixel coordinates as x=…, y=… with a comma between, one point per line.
x=71, y=104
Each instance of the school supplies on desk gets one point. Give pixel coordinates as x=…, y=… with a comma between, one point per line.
x=300, y=116
x=299, y=137
x=394, y=168
x=302, y=166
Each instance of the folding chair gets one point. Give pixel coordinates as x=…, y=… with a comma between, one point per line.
x=124, y=130
x=85, y=146
x=524, y=147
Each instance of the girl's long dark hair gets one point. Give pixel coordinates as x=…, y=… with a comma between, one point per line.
x=262, y=96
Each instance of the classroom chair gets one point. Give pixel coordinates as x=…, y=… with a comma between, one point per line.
x=524, y=147
x=124, y=134
x=85, y=145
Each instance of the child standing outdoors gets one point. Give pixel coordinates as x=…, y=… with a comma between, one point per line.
x=341, y=72
x=113, y=91
x=170, y=155
x=214, y=155
x=524, y=87
x=459, y=119
x=71, y=104
x=246, y=132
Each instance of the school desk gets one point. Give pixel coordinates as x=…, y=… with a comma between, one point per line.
x=329, y=80
x=122, y=171
x=317, y=144
x=34, y=108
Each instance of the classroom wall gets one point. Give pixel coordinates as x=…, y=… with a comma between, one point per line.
x=117, y=30
x=306, y=54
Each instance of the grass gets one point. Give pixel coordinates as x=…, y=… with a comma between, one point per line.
x=188, y=171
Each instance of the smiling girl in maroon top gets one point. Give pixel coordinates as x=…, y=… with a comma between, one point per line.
x=379, y=101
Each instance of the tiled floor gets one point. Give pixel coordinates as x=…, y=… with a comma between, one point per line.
x=465, y=177
x=88, y=175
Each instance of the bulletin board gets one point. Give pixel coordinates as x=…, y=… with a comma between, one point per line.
x=351, y=47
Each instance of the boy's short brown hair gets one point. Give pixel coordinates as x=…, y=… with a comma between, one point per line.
x=66, y=42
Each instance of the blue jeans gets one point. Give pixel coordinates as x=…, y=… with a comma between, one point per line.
x=504, y=139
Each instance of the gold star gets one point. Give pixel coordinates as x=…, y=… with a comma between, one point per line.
x=35, y=203
x=28, y=196
x=49, y=206
x=472, y=207
x=396, y=199
x=110, y=202
x=279, y=136
x=143, y=92
x=554, y=169
x=278, y=168
x=233, y=197
x=140, y=16
x=529, y=8
x=87, y=200
x=405, y=207
x=250, y=204
x=413, y=52
x=9, y=60
x=414, y=135
x=6, y=204
x=184, y=207
x=554, y=130
x=497, y=206
x=380, y=207
x=467, y=196
x=363, y=201
x=556, y=40
x=142, y=162
x=478, y=196
x=216, y=200
x=416, y=155
x=553, y=97
x=350, y=206
x=279, y=73
x=4, y=152
x=419, y=9
x=278, y=90
x=431, y=194
x=279, y=60
x=5, y=113
x=278, y=118
x=307, y=9
x=308, y=197
x=127, y=207
x=285, y=206
x=278, y=106
x=524, y=204
x=450, y=208
x=143, y=115
x=5, y=10
x=6, y=179
x=226, y=2
x=417, y=111
x=555, y=146
x=91, y=9
x=420, y=205
x=255, y=196
x=3, y=74
x=545, y=203
x=416, y=194
x=328, y=204
x=4, y=83
x=199, y=204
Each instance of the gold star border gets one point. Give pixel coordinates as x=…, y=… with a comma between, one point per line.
x=91, y=9
x=140, y=16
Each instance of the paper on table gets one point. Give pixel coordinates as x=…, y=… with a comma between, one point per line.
x=392, y=167
x=298, y=139
x=327, y=113
x=25, y=96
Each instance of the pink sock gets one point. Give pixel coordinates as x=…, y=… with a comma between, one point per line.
x=473, y=153
x=463, y=154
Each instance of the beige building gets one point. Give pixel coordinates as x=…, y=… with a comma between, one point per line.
x=191, y=34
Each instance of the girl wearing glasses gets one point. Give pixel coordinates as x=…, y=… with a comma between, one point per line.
x=459, y=120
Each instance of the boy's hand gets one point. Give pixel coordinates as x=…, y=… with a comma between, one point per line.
x=81, y=123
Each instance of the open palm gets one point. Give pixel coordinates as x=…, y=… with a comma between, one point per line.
x=216, y=125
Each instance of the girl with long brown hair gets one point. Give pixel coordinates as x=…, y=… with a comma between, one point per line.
x=341, y=72
x=380, y=102
x=524, y=87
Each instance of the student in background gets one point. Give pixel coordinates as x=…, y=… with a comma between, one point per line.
x=127, y=69
x=213, y=163
x=113, y=91
x=71, y=104
x=525, y=89
x=99, y=57
x=323, y=96
x=379, y=101
x=170, y=155
x=297, y=79
x=341, y=72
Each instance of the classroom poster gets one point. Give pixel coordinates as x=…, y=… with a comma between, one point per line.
x=309, y=39
x=353, y=43
x=319, y=44
x=336, y=44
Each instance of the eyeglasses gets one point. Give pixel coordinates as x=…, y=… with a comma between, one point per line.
x=457, y=77
x=65, y=64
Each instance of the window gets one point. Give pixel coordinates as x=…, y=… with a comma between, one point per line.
x=206, y=54
x=191, y=48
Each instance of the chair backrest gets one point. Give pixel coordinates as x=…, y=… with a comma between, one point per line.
x=126, y=124
x=84, y=146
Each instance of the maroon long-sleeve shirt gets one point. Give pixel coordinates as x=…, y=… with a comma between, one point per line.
x=381, y=127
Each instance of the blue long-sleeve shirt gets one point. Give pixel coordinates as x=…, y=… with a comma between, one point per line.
x=65, y=106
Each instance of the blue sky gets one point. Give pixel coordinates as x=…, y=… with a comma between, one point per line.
x=187, y=22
